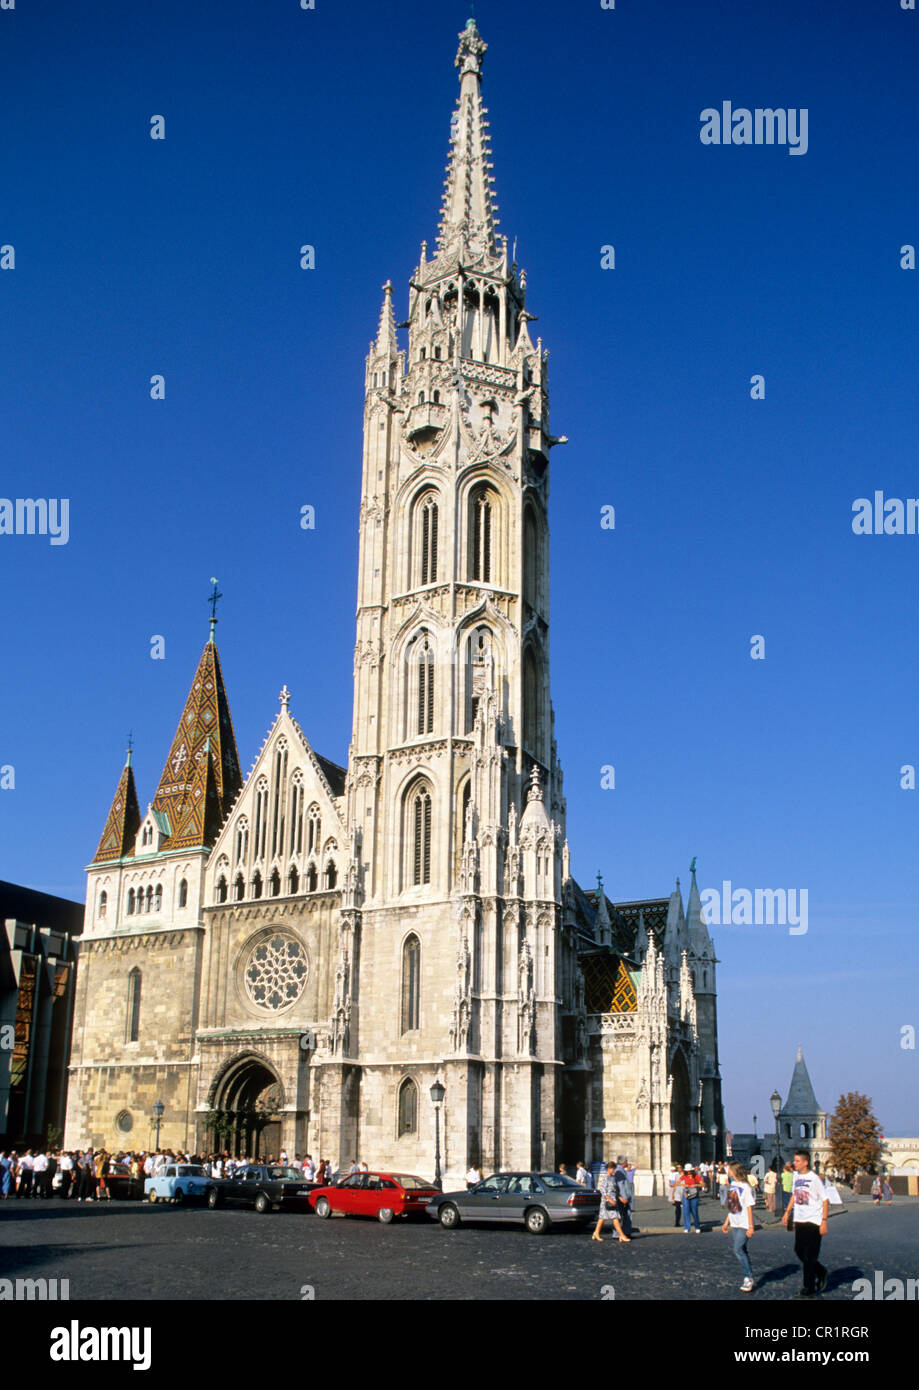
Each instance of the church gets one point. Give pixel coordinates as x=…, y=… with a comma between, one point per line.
x=293, y=959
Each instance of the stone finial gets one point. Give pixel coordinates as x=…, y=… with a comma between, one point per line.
x=284, y=697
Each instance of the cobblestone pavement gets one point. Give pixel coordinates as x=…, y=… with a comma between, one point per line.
x=128, y=1250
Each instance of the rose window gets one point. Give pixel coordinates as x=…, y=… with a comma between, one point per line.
x=276, y=972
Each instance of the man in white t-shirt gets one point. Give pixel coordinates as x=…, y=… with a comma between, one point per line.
x=808, y=1209
x=39, y=1169
x=739, y=1220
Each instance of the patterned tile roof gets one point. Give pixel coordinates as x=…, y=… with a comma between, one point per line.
x=123, y=820
x=201, y=777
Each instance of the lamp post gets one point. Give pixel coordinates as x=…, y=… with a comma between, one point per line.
x=713, y=1131
x=158, y=1111
x=775, y=1101
x=437, y=1096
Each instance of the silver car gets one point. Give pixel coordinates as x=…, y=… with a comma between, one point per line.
x=538, y=1200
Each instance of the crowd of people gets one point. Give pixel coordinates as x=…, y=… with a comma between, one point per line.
x=84, y=1174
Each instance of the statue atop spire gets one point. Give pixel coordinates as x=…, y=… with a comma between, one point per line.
x=471, y=50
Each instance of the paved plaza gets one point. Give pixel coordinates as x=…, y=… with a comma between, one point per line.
x=131, y=1250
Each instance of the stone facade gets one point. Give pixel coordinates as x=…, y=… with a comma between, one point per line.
x=357, y=934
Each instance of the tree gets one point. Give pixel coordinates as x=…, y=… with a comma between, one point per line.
x=855, y=1134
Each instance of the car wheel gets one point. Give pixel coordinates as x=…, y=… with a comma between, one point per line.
x=152, y=1196
x=449, y=1217
x=213, y=1198
x=385, y=1214
x=323, y=1207
x=178, y=1196
x=262, y=1203
x=536, y=1221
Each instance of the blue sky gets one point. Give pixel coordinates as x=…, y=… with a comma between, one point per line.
x=733, y=516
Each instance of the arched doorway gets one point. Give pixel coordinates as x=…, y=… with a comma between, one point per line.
x=245, y=1118
x=680, y=1147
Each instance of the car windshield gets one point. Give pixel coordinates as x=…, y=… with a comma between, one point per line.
x=410, y=1183
x=557, y=1180
x=284, y=1174
x=190, y=1170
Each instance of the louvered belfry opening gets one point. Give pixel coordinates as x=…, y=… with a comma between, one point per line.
x=428, y=541
x=425, y=686
x=481, y=537
x=421, y=836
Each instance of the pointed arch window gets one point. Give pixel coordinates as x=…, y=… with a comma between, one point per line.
x=132, y=1028
x=296, y=813
x=426, y=514
x=274, y=883
x=314, y=830
x=331, y=874
x=242, y=840
x=532, y=704
x=158, y=898
x=411, y=984
x=293, y=880
x=183, y=892
x=312, y=879
x=148, y=905
x=239, y=889
x=103, y=903
x=408, y=1107
x=483, y=510
x=131, y=902
x=421, y=667
x=279, y=797
x=257, y=885
x=465, y=802
x=532, y=567
x=222, y=889
x=261, y=818
x=480, y=671
x=418, y=835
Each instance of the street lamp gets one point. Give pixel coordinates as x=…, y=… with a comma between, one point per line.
x=713, y=1131
x=437, y=1096
x=158, y=1111
x=775, y=1100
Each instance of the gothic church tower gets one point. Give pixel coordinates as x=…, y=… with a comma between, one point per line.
x=454, y=789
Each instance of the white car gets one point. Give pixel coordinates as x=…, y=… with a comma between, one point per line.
x=176, y=1183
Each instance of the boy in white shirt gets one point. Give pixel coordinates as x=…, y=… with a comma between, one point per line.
x=808, y=1209
x=739, y=1220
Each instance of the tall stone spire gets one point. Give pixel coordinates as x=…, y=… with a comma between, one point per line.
x=386, y=344
x=123, y=820
x=699, y=938
x=602, y=925
x=205, y=735
x=469, y=212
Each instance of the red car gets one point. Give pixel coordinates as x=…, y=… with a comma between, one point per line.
x=383, y=1195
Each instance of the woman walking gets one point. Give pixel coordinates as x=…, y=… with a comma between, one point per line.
x=739, y=1220
x=692, y=1190
x=769, y=1183
x=607, y=1190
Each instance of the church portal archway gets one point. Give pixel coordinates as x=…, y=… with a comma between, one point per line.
x=246, y=1105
